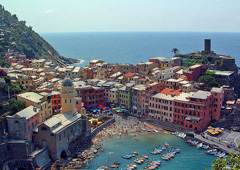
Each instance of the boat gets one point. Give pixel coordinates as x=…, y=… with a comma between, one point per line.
x=211, y=150
x=150, y=167
x=155, y=130
x=128, y=156
x=133, y=165
x=154, y=163
x=194, y=143
x=221, y=155
x=205, y=146
x=165, y=157
x=176, y=149
x=117, y=162
x=189, y=140
x=134, y=152
x=113, y=166
x=158, y=150
x=103, y=168
x=170, y=154
x=148, y=130
x=200, y=145
x=137, y=161
x=156, y=160
x=181, y=135
x=153, y=152
x=166, y=144
x=145, y=156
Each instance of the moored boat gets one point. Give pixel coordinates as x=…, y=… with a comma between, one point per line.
x=113, y=166
x=145, y=156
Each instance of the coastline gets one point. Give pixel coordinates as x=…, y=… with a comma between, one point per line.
x=132, y=126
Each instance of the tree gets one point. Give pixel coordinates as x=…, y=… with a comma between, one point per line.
x=175, y=51
x=209, y=81
x=15, y=106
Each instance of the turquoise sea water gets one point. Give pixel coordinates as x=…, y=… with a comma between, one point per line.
x=190, y=157
x=136, y=47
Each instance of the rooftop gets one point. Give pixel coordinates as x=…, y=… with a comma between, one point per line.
x=28, y=112
x=195, y=66
x=129, y=74
x=169, y=91
x=32, y=96
x=216, y=90
x=201, y=94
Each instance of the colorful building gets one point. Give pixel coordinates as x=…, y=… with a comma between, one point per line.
x=195, y=110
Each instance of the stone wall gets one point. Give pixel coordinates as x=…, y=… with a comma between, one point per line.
x=4, y=154
x=104, y=125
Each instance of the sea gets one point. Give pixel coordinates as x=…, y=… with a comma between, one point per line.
x=190, y=157
x=137, y=47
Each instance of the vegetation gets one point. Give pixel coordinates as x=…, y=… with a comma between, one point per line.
x=232, y=163
x=15, y=105
x=175, y=51
x=13, y=88
x=21, y=38
x=187, y=62
x=209, y=81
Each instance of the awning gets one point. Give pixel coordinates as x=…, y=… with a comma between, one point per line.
x=194, y=119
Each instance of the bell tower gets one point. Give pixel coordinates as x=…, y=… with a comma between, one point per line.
x=68, y=97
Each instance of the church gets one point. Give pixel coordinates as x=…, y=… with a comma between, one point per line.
x=66, y=130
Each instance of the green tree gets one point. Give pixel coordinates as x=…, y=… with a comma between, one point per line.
x=209, y=81
x=15, y=106
x=175, y=51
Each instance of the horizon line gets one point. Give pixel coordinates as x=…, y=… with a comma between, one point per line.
x=138, y=32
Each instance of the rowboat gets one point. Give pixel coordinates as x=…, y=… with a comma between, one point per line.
x=134, y=152
x=145, y=156
x=113, y=166
x=165, y=157
x=155, y=130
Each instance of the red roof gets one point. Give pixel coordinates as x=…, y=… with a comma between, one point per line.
x=129, y=74
x=170, y=91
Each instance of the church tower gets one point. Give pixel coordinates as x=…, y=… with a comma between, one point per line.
x=68, y=97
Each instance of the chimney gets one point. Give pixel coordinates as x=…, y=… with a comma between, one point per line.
x=207, y=46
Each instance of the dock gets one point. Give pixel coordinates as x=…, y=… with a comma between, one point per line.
x=220, y=146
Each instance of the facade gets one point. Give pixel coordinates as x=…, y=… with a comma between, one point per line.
x=194, y=72
x=196, y=110
x=56, y=101
x=39, y=101
x=161, y=105
x=63, y=132
x=21, y=124
x=90, y=95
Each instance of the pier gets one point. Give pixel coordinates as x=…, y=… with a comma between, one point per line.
x=218, y=145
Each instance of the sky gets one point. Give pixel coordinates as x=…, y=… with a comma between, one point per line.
x=127, y=15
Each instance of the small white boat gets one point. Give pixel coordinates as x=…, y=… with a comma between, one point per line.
x=155, y=130
x=199, y=145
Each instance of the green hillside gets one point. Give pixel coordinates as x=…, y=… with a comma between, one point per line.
x=14, y=34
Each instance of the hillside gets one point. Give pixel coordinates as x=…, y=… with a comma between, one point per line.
x=14, y=34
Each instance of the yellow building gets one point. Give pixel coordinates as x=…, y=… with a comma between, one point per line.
x=114, y=95
x=125, y=96
x=39, y=101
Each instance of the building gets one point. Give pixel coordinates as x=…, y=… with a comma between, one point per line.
x=161, y=105
x=90, y=95
x=194, y=72
x=21, y=124
x=41, y=102
x=196, y=110
x=63, y=132
x=56, y=101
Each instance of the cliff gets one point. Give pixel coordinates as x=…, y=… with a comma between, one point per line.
x=15, y=35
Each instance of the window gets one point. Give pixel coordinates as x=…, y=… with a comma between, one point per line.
x=60, y=137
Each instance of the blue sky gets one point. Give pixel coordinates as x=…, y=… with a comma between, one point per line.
x=127, y=15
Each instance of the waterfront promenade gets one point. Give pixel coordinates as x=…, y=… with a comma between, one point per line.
x=215, y=143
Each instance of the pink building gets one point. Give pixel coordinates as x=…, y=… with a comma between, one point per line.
x=150, y=90
x=161, y=104
x=21, y=124
x=195, y=110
